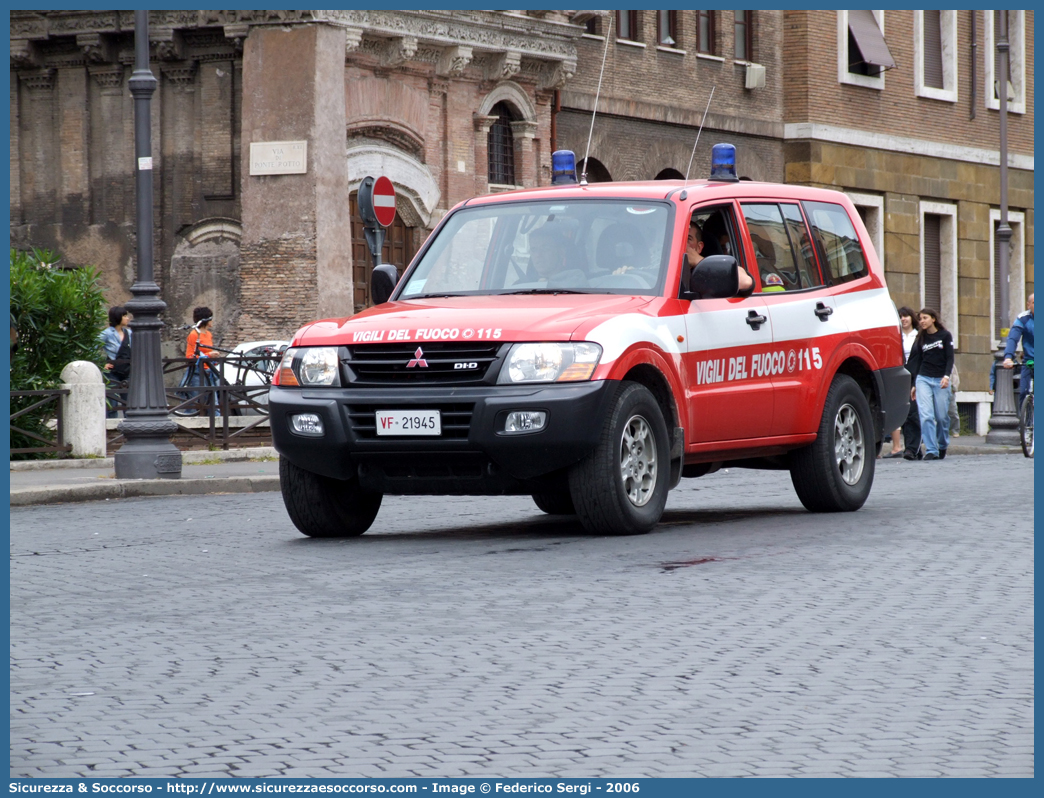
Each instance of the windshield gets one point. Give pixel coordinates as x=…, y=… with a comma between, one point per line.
x=576, y=246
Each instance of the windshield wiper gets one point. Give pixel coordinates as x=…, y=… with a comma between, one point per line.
x=434, y=296
x=543, y=291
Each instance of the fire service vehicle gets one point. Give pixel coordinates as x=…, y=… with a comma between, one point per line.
x=592, y=345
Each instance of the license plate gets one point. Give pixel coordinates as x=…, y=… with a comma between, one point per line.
x=409, y=422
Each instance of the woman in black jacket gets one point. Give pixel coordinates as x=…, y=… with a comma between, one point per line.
x=931, y=361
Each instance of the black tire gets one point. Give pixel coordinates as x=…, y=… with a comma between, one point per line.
x=1026, y=425
x=322, y=507
x=555, y=500
x=633, y=439
x=835, y=472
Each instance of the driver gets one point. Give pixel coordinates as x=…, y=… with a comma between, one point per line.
x=694, y=252
x=547, y=252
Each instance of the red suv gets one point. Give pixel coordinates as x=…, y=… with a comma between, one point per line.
x=590, y=345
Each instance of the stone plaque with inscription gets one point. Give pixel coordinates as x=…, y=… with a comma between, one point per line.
x=278, y=157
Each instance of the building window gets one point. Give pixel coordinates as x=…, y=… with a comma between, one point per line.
x=871, y=210
x=627, y=25
x=1016, y=79
x=935, y=55
x=501, y=146
x=939, y=262
x=591, y=26
x=744, y=29
x=862, y=54
x=932, y=271
x=705, y=22
x=1016, y=273
x=667, y=28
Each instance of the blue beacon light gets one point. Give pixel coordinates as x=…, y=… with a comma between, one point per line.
x=563, y=167
x=723, y=163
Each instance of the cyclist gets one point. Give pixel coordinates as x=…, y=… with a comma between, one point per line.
x=1022, y=328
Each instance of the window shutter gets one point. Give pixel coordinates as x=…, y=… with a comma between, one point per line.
x=871, y=53
x=932, y=40
x=932, y=261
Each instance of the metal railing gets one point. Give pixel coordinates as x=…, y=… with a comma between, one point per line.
x=218, y=403
x=56, y=445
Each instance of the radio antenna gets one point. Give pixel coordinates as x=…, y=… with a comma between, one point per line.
x=598, y=93
x=705, y=110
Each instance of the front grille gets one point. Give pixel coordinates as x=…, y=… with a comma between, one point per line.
x=437, y=364
x=456, y=420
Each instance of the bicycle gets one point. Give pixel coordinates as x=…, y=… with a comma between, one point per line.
x=1026, y=416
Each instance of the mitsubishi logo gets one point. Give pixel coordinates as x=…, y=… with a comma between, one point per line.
x=418, y=359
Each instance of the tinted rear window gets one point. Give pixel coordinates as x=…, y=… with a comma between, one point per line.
x=837, y=241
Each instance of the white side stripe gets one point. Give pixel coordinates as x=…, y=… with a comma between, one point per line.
x=621, y=332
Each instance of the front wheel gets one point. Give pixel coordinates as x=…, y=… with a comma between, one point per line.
x=835, y=472
x=555, y=500
x=322, y=507
x=1026, y=425
x=621, y=487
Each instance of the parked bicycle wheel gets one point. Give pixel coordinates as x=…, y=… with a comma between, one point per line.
x=1026, y=425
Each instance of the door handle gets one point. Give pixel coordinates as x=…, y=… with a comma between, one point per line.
x=754, y=319
x=822, y=311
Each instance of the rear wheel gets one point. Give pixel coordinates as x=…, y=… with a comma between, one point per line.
x=322, y=507
x=1026, y=425
x=621, y=487
x=835, y=472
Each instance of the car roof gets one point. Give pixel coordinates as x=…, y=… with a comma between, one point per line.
x=662, y=189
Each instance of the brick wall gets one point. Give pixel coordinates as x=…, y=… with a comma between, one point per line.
x=813, y=93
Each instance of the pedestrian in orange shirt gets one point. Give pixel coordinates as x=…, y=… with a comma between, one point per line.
x=200, y=333
x=198, y=347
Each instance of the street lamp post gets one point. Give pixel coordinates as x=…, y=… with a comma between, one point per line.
x=148, y=452
x=1004, y=420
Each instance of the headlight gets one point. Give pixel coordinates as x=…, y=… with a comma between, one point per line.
x=307, y=367
x=318, y=366
x=570, y=362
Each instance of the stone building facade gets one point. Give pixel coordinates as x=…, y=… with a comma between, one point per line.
x=409, y=94
x=919, y=154
x=655, y=87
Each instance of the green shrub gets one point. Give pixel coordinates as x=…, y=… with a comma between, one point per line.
x=58, y=313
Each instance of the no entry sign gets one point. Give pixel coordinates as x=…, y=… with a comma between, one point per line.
x=384, y=201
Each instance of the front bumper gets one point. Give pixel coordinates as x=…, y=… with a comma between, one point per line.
x=473, y=456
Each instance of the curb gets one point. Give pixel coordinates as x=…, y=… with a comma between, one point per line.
x=133, y=488
x=187, y=458
x=983, y=449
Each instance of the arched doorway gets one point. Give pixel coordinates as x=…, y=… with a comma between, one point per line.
x=399, y=249
x=596, y=171
x=670, y=174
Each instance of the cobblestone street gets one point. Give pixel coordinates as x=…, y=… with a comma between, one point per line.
x=203, y=636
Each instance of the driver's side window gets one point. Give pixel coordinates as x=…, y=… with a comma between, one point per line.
x=712, y=231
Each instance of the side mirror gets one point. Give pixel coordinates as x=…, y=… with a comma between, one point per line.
x=715, y=277
x=382, y=282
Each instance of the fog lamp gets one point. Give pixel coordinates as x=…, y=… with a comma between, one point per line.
x=522, y=421
x=307, y=424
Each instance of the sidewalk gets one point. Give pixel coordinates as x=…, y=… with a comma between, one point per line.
x=52, y=481
x=236, y=471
